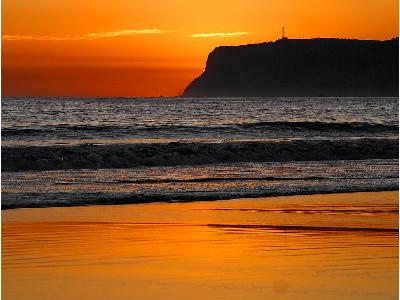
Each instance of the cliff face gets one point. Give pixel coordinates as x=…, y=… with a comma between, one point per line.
x=316, y=67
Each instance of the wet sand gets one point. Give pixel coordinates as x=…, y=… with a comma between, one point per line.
x=338, y=246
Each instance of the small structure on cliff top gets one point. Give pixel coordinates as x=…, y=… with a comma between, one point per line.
x=284, y=37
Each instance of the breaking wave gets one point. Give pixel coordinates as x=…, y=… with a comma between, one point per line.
x=173, y=154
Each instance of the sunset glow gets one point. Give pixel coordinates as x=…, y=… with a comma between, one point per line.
x=134, y=48
x=87, y=36
x=218, y=34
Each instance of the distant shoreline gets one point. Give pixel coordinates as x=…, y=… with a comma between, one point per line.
x=46, y=98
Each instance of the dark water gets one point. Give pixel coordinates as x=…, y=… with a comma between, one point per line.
x=50, y=121
x=191, y=183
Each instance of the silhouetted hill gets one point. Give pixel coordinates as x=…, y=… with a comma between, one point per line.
x=315, y=67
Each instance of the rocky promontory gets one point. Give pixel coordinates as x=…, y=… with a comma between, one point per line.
x=301, y=67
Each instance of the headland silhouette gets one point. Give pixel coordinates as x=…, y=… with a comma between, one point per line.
x=301, y=67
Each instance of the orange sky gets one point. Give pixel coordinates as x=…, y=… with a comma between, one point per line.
x=153, y=48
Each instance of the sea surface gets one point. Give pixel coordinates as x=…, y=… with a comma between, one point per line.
x=71, y=121
x=75, y=151
x=222, y=198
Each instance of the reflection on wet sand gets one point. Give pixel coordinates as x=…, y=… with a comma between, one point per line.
x=339, y=246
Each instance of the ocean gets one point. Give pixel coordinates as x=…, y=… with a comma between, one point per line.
x=78, y=151
x=230, y=198
x=72, y=121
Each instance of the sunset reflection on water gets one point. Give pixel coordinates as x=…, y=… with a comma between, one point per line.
x=339, y=246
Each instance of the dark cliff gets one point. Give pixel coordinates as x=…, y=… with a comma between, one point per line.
x=315, y=67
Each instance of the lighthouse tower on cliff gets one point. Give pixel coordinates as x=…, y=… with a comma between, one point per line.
x=284, y=33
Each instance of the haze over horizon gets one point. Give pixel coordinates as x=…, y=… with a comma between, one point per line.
x=131, y=48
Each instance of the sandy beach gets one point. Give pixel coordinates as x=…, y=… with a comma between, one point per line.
x=337, y=246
